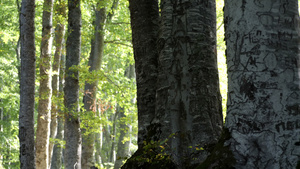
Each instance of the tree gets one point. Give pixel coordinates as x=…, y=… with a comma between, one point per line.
x=144, y=23
x=27, y=85
x=188, y=112
x=56, y=69
x=45, y=90
x=96, y=55
x=263, y=96
x=72, y=124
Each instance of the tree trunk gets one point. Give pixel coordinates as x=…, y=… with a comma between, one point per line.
x=56, y=162
x=27, y=86
x=72, y=136
x=144, y=23
x=59, y=36
x=88, y=141
x=188, y=98
x=45, y=90
x=263, y=96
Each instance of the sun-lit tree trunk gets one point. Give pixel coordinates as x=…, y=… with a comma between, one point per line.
x=72, y=135
x=45, y=90
x=59, y=36
x=27, y=86
x=263, y=77
x=96, y=55
x=56, y=162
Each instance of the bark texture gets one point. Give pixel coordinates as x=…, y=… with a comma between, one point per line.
x=72, y=135
x=96, y=55
x=45, y=90
x=27, y=86
x=188, y=99
x=144, y=23
x=263, y=96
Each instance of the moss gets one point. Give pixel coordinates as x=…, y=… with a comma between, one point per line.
x=142, y=159
x=221, y=157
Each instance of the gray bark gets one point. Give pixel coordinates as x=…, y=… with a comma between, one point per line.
x=144, y=23
x=45, y=90
x=72, y=134
x=188, y=98
x=27, y=86
x=56, y=162
x=263, y=96
x=97, y=47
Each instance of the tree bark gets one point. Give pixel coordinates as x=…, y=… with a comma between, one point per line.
x=45, y=90
x=263, y=96
x=27, y=86
x=59, y=36
x=72, y=134
x=188, y=97
x=144, y=16
x=97, y=47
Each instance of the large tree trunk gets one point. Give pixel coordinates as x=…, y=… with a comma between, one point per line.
x=56, y=162
x=72, y=136
x=144, y=23
x=59, y=36
x=45, y=90
x=263, y=96
x=27, y=86
x=88, y=140
x=188, y=97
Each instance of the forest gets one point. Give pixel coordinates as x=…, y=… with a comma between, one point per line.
x=143, y=84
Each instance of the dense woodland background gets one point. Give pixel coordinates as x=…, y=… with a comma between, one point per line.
x=112, y=120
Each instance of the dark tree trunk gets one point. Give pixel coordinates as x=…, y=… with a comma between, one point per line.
x=188, y=101
x=72, y=136
x=188, y=97
x=144, y=23
x=263, y=96
x=27, y=86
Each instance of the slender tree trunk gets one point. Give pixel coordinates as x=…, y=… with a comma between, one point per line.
x=144, y=23
x=59, y=36
x=72, y=136
x=56, y=162
x=263, y=96
x=27, y=86
x=112, y=157
x=88, y=141
x=45, y=90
